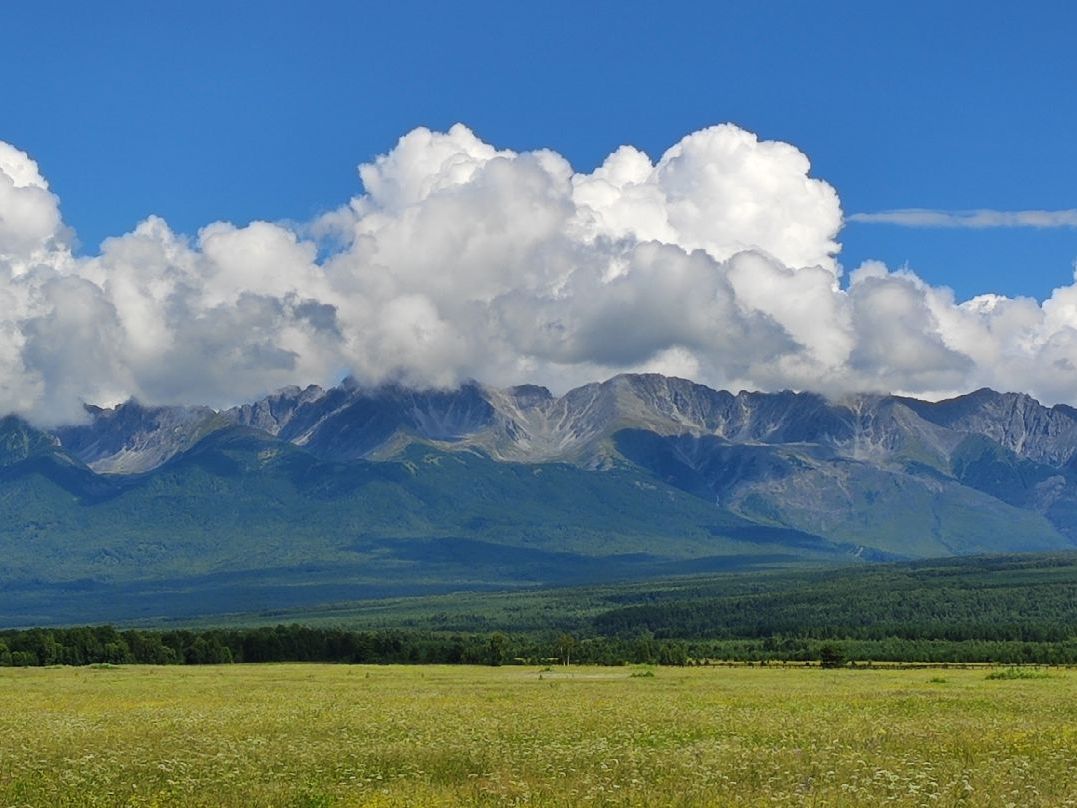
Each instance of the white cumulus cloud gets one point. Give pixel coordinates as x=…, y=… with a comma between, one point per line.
x=456, y=260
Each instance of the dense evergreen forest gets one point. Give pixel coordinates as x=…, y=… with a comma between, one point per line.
x=1005, y=609
x=295, y=643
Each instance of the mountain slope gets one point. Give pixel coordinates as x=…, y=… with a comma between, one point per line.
x=942, y=455
x=311, y=494
x=29, y=457
x=912, y=511
x=243, y=520
x=1014, y=421
x=131, y=438
x=241, y=498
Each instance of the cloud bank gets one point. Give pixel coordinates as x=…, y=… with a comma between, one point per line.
x=969, y=219
x=459, y=260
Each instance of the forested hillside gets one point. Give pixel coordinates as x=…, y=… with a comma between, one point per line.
x=1012, y=609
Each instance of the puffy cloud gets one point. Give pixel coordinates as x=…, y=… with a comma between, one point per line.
x=721, y=190
x=423, y=164
x=460, y=260
x=898, y=335
x=30, y=224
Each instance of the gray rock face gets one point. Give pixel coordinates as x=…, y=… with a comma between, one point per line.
x=1013, y=420
x=272, y=413
x=528, y=424
x=19, y=442
x=350, y=423
x=864, y=465
x=130, y=438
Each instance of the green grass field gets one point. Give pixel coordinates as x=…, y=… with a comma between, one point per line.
x=320, y=735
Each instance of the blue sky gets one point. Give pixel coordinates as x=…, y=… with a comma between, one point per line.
x=620, y=197
x=203, y=111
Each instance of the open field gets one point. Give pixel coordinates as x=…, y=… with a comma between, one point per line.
x=320, y=735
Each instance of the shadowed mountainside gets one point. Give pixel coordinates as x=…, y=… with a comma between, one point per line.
x=312, y=495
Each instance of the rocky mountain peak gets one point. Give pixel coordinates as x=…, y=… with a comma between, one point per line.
x=132, y=438
x=273, y=412
x=529, y=396
x=19, y=441
x=527, y=423
x=1015, y=421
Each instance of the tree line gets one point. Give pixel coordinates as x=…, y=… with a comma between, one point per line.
x=89, y=645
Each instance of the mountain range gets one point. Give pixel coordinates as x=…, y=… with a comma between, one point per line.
x=315, y=495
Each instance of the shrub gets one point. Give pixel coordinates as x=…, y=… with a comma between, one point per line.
x=830, y=656
x=1019, y=673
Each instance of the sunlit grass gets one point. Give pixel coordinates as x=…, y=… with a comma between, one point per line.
x=316, y=735
x=1019, y=673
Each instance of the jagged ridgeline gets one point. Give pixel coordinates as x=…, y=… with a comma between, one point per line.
x=310, y=496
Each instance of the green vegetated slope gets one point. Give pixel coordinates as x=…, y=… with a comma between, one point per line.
x=905, y=506
x=241, y=497
x=243, y=521
x=1015, y=598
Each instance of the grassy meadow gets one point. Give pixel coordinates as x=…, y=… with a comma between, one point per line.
x=337, y=735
